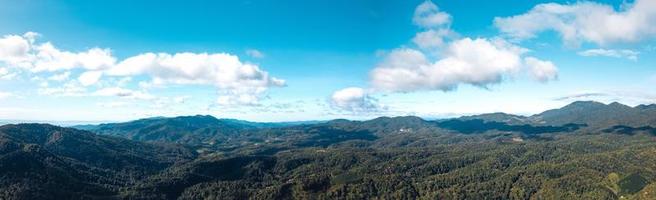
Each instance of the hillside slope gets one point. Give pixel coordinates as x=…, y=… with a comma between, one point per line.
x=39, y=161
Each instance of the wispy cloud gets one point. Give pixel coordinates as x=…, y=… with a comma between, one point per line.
x=580, y=96
x=254, y=53
x=5, y=74
x=4, y=95
x=113, y=104
x=627, y=96
x=615, y=53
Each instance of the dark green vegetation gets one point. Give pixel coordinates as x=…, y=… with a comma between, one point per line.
x=585, y=150
x=39, y=161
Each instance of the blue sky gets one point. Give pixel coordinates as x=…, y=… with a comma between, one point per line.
x=309, y=60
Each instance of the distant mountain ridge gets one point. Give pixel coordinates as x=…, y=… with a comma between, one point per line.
x=195, y=129
x=174, y=129
x=204, y=129
x=594, y=114
x=499, y=117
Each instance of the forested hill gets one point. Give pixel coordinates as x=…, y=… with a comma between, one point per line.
x=202, y=129
x=40, y=161
x=585, y=150
x=183, y=129
x=593, y=114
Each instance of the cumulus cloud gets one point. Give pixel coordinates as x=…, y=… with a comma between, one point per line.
x=254, y=53
x=435, y=24
x=48, y=58
x=615, y=53
x=221, y=69
x=540, y=70
x=354, y=100
x=22, y=51
x=584, y=21
x=428, y=15
x=478, y=62
x=432, y=38
x=474, y=61
x=236, y=82
x=14, y=49
x=89, y=77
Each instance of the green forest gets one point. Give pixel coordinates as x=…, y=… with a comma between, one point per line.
x=492, y=156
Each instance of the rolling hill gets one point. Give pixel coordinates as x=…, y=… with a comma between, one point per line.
x=585, y=150
x=39, y=161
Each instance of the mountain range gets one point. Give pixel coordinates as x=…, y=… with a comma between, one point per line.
x=594, y=114
x=586, y=115
x=585, y=150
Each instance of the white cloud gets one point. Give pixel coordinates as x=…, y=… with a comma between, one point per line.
x=60, y=77
x=428, y=15
x=236, y=82
x=629, y=96
x=584, y=21
x=4, y=95
x=354, y=100
x=540, y=70
x=615, y=53
x=222, y=70
x=21, y=51
x=123, y=81
x=5, y=74
x=89, y=78
x=435, y=24
x=254, y=53
x=477, y=62
x=431, y=38
x=67, y=89
x=14, y=49
x=48, y=58
x=580, y=96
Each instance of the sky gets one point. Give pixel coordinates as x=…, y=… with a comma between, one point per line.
x=297, y=60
